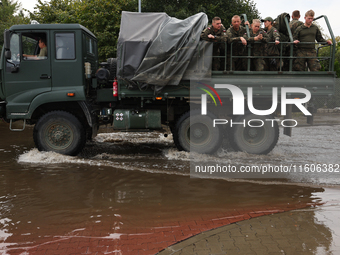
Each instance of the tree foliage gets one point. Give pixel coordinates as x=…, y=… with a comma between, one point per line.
x=9, y=16
x=55, y=11
x=224, y=9
x=103, y=17
x=325, y=52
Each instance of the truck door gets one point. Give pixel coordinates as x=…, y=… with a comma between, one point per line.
x=28, y=72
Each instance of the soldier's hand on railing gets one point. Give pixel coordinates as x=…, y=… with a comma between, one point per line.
x=277, y=42
x=244, y=41
x=211, y=36
x=296, y=41
x=329, y=42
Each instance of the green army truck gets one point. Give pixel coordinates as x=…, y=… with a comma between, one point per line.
x=161, y=80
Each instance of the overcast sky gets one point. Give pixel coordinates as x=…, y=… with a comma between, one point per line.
x=330, y=8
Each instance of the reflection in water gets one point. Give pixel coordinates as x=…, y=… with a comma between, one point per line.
x=100, y=193
x=328, y=217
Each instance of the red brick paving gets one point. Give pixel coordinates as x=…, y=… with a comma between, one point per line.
x=140, y=241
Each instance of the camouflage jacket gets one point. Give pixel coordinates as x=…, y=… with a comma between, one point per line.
x=258, y=47
x=220, y=35
x=273, y=35
x=235, y=38
x=294, y=24
x=305, y=34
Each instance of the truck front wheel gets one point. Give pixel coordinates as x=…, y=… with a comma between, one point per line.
x=60, y=132
x=254, y=134
x=195, y=132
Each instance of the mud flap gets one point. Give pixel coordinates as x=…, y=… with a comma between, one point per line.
x=288, y=130
x=310, y=119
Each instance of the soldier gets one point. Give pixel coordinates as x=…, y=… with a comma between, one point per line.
x=295, y=22
x=273, y=64
x=308, y=32
x=258, y=38
x=235, y=36
x=216, y=33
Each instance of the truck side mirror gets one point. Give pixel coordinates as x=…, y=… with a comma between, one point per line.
x=7, y=44
x=7, y=38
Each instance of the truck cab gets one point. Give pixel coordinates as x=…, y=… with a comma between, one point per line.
x=33, y=85
x=32, y=81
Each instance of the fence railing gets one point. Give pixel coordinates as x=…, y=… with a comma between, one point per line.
x=286, y=57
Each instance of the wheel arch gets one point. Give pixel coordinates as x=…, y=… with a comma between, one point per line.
x=78, y=109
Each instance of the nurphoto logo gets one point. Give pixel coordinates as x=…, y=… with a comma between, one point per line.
x=238, y=104
x=209, y=93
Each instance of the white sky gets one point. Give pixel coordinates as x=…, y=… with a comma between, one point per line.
x=330, y=8
x=28, y=4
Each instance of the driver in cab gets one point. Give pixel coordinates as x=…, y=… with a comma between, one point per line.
x=42, y=53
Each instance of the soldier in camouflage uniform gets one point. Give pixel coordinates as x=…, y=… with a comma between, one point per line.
x=273, y=64
x=235, y=39
x=216, y=33
x=295, y=22
x=308, y=32
x=258, y=38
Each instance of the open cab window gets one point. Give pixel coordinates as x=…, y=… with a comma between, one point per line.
x=34, y=46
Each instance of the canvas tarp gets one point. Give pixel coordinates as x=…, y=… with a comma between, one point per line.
x=156, y=49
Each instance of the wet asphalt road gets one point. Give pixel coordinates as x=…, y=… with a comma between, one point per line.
x=128, y=180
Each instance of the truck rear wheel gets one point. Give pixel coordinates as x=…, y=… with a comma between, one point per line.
x=255, y=137
x=60, y=132
x=195, y=132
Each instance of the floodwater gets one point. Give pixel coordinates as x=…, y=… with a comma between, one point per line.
x=124, y=181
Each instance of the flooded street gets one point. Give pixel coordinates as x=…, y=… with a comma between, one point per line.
x=137, y=183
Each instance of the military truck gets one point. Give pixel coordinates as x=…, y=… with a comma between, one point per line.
x=160, y=80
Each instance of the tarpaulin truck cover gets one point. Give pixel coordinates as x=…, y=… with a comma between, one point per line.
x=156, y=49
